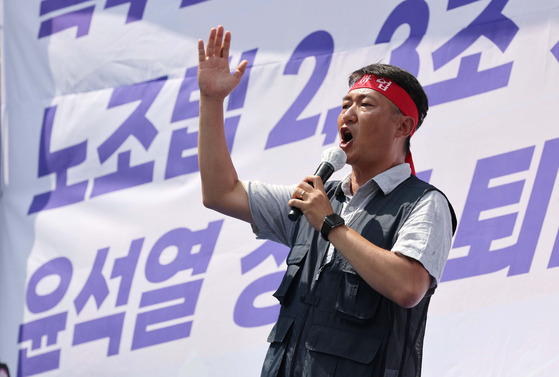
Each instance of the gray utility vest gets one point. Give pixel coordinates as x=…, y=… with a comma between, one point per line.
x=332, y=323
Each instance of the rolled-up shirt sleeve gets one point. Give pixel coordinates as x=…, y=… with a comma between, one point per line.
x=426, y=235
x=269, y=209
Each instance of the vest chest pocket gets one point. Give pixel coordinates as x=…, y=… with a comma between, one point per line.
x=354, y=346
x=356, y=301
x=295, y=261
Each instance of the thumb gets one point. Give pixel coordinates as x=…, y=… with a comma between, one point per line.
x=240, y=71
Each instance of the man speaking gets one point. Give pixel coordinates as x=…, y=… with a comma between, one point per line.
x=368, y=251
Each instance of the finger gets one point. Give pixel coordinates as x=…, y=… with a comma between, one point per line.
x=211, y=43
x=297, y=193
x=316, y=182
x=218, y=40
x=240, y=71
x=307, y=183
x=201, y=51
x=296, y=203
x=226, y=45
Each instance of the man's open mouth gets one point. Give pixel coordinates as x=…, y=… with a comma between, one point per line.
x=346, y=135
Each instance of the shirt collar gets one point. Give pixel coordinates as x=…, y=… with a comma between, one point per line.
x=387, y=180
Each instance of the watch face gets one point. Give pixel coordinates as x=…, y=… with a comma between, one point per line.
x=335, y=219
x=331, y=221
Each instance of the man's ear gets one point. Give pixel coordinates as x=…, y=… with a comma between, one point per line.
x=407, y=125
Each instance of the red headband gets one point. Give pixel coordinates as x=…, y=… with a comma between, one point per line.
x=390, y=90
x=394, y=93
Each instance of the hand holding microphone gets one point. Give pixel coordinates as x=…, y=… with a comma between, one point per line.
x=332, y=159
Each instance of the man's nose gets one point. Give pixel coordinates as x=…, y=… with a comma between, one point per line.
x=349, y=115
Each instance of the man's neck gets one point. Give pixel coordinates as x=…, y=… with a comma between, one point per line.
x=361, y=176
x=358, y=179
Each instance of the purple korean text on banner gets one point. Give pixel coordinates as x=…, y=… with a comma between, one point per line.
x=58, y=163
x=188, y=293
x=184, y=107
x=96, y=286
x=425, y=175
x=137, y=125
x=48, y=327
x=555, y=51
x=479, y=234
x=330, y=128
x=80, y=14
x=106, y=327
x=80, y=18
x=236, y=99
x=194, y=252
x=289, y=129
x=124, y=268
x=469, y=81
x=186, y=3
x=459, y=3
x=61, y=267
x=181, y=139
x=491, y=24
x=246, y=314
x=136, y=10
x=414, y=13
x=554, y=259
x=195, y=249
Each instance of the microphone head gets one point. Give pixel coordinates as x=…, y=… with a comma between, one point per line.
x=335, y=156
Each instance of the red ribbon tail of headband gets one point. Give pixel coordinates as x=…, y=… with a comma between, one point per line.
x=409, y=160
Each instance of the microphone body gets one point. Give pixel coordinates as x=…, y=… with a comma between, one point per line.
x=333, y=159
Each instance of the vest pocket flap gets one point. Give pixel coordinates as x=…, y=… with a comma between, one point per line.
x=280, y=329
x=294, y=262
x=354, y=346
x=298, y=253
x=356, y=299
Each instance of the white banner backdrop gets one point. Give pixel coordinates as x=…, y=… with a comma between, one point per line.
x=109, y=263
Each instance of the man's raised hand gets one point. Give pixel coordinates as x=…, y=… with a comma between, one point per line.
x=214, y=76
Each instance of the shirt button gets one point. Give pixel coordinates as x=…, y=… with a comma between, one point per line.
x=351, y=208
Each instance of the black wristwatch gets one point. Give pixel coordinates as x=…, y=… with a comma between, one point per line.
x=330, y=222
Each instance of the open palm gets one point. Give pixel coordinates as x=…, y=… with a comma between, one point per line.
x=214, y=77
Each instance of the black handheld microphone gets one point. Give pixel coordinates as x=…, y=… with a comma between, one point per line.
x=333, y=159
